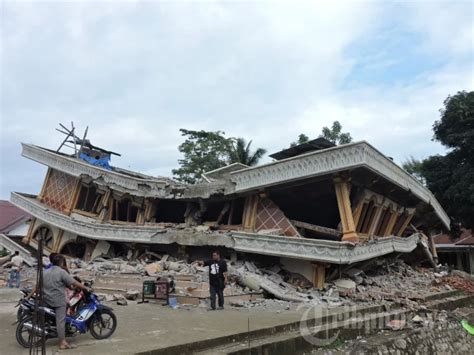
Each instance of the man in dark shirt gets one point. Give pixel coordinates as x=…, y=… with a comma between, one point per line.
x=217, y=278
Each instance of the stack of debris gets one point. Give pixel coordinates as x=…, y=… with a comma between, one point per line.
x=271, y=281
x=396, y=281
x=260, y=285
x=247, y=282
x=458, y=280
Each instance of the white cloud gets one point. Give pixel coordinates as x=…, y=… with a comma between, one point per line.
x=447, y=26
x=136, y=72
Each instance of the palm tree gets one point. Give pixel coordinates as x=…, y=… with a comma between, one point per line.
x=240, y=153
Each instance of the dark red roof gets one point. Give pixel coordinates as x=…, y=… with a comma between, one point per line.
x=10, y=216
x=466, y=238
x=466, y=241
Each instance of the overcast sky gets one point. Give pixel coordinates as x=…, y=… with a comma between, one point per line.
x=137, y=71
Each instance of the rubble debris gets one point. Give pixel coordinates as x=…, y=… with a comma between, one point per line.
x=117, y=297
x=396, y=324
x=400, y=344
x=153, y=269
x=345, y=286
x=280, y=290
x=132, y=295
x=457, y=282
x=462, y=274
x=102, y=248
x=267, y=285
x=5, y=259
x=122, y=302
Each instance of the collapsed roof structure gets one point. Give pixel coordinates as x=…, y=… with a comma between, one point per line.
x=316, y=202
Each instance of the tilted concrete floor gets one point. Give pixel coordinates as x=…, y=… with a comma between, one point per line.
x=148, y=326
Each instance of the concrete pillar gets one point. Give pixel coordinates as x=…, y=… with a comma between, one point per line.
x=319, y=275
x=249, y=217
x=341, y=186
x=471, y=261
x=459, y=261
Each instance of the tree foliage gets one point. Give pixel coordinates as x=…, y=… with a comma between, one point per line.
x=302, y=138
x=240, y=152
x=205, y=151
x=455, y=129
x=335, y=134
x=451, y=177
x=415, y=168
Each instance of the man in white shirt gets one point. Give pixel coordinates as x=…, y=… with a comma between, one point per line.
x=16, y=262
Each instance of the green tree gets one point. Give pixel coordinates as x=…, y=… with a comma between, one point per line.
x=335, y=134
x=415, y=168
x=240, y=152
x=455, y=129
x=451, y=177
x=302, y=138
x=203, y=151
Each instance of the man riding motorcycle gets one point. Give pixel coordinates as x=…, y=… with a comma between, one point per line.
x=55, y=281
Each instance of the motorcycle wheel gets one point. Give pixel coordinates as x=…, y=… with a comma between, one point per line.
x=103, y=324
x=23, y=334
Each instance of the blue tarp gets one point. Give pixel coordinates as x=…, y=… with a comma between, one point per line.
x=102, y=162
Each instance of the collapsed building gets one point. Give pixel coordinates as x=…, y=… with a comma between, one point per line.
x=316, y=205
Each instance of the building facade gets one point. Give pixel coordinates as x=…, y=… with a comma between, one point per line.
x=316, y=202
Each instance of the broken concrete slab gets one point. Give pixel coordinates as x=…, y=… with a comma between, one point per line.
x=102, y=248
x=345, y=285
x=396, y=324
x=132, y=295
x=153, y=268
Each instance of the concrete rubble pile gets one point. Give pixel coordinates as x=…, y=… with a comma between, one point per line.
x=458, y=280
x=254, y=285
x=396, y=281
x=248, y=284
x=425, y=333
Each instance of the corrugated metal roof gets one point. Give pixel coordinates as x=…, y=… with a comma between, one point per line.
x=10, y=216
x=466, y=238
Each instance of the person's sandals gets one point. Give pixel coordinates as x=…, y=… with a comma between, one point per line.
x=68, y=346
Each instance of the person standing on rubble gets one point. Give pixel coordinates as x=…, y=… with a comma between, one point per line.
x=217, y=278
x=16, y=264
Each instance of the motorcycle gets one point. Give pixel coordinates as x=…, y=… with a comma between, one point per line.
x=25, y=305
x=91, y=316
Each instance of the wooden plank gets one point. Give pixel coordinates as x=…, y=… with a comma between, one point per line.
x=318, y=229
